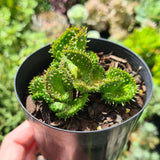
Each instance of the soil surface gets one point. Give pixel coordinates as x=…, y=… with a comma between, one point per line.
x=96, y=115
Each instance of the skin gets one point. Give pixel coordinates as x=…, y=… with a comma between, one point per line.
x=19, y=144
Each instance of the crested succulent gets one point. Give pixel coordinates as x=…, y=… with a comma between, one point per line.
x=74, y=74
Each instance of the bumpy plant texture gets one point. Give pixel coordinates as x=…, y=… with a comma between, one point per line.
x=115, y=15
x=148, y=11
x=145, y=42
x=75, y=73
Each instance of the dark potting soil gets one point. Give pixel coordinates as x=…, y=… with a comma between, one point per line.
x=96, y=115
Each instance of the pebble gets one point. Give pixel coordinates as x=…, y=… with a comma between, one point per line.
x=119, y=118
x=139, y=101
x=40, y=157
x=138, y=79
x=144, y=88
x=127, y=110
x=99, y=128
x=100, y=53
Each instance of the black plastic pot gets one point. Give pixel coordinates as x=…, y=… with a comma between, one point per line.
x=59, y=144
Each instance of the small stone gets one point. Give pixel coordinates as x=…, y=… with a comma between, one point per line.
x=109, y=119
x=56, y=123
x=138, y=79
x=105, y=126
x=104, y=113
x=144, y=88
x=100, y=53
x=127, y=110
x=99, y=128
x=119, y=119
x=140, y=91
x=40, y=157
x=139, y=101
x=105, y=121
x=87, y=129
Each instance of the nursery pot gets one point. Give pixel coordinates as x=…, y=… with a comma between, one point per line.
x=60, y=144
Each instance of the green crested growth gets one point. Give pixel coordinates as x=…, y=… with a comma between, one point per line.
x=119, y=87
x=72, y=38
x=75, y=73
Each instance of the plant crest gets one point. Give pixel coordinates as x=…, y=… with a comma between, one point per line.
x=75, y=69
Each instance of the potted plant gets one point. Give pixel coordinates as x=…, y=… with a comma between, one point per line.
x=65, y=86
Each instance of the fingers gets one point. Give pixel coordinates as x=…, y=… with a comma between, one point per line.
x=19, y=144
x=31, y=151
x=22, y=135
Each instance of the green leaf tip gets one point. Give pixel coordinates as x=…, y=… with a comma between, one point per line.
x=55, y=85
x=38, y=90
x=76, y=70
x=120, y=86
x=72, y=38
x=71, y=108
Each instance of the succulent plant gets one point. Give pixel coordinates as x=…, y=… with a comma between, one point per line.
x=77, y=14
x=75, y=73
x=148, y=11
x=115, y=16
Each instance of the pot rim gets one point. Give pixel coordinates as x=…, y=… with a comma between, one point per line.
x=93, y=131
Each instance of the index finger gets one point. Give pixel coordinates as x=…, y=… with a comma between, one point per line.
x=17, y=143
x=23, y=134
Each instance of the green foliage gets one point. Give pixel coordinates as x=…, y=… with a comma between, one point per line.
x=73, y=107
x=148, y=10
x=77, y=14
x=74, y=68
x=118, y=87
x=66, y=41
x=145, y=42
x=17, y=40
x=153, y=107
x=81, y=1
x=56, y=90
x=43, y=6
x=156, y=69
x=142, y=141
x=10, y=113
x=15, y=16
x=14, y=20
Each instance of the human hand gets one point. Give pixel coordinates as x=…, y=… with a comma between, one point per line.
x=19, y=144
